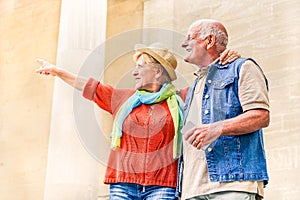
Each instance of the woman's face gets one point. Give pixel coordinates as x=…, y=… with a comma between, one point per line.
x=145, y=75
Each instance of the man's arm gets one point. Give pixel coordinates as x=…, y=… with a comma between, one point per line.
x=245, y=123
x=255, y=103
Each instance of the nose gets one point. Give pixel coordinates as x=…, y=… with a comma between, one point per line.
x=184, y=43
x=134, y=72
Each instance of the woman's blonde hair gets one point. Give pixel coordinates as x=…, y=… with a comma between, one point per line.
x=165, y=78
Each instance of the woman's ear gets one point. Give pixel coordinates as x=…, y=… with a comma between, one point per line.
x=159, y=72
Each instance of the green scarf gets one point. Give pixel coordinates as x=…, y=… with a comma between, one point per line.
x=167, y=92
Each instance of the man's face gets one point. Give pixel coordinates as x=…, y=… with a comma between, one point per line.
x=195, y=47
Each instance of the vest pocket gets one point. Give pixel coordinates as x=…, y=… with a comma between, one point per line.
x=219, y=85
x=224, y=101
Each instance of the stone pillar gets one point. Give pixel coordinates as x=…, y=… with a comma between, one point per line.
x=72, y=173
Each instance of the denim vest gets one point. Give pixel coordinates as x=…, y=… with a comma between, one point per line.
x=229, y=158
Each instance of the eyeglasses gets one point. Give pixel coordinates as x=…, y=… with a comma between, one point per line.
x=191, y=37
x=147, y=66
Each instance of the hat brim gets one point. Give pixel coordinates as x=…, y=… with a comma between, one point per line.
x=166, y=65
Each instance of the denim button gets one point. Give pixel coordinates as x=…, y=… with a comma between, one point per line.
x=209, y=81
x=209, y=149
x=206, y=96
x=206, y=112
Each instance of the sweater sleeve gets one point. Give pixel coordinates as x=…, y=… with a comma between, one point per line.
x=99, y=93
x=105, y=96
x=90, y=89
x=183, y=92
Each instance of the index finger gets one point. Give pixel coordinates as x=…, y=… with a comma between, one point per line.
x=189, y=134
x=42, y=61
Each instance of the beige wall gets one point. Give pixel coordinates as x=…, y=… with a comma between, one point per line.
x=123, y=15
x=266, y=30
x=28, y=29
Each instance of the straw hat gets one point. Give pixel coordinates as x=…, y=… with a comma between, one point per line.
x=162, y=55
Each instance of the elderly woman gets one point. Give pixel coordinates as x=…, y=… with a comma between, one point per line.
x=145, y=135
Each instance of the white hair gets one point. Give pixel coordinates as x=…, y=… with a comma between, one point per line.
x=207, y=27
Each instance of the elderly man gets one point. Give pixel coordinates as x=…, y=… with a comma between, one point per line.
x=226, y=108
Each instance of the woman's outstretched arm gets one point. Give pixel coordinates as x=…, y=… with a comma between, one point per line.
x=73, y=80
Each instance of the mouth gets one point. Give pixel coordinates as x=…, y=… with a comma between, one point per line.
x=137, y=80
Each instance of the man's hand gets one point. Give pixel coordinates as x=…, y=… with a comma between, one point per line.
x=204, y=134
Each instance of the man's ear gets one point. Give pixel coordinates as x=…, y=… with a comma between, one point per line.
x=211, y=41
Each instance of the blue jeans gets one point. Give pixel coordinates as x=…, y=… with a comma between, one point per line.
x=129, y=191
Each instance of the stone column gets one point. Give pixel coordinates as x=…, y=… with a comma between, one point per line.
x=72, y=173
